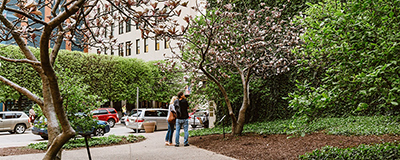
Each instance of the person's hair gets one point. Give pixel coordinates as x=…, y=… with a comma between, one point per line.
x=180, y=94
x=173, y=99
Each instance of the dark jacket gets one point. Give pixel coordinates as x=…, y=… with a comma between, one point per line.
x=181, y=107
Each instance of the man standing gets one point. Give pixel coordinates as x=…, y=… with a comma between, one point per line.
x=181, y=107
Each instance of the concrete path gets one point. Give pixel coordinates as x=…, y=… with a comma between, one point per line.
x=153, y=148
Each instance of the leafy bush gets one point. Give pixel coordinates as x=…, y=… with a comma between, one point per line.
x=351, y=53
x=379, y=151
x=80, y=142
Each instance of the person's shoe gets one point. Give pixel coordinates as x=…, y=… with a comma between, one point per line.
x=176, y=145
x=186, y=145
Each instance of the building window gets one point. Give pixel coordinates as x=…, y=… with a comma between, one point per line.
x=121, y=49
x=112, y=51
x=128, y=25
x=112, y=30
x=137, y=25
x=98, y=51
x=121, y=27
x=138, y=46
x=105, y=32
x=105, y=51
x=146, y=46
x=157, y=44
x=128, y=48
x=166, y=44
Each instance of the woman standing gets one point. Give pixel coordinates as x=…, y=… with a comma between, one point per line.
x=171, y=126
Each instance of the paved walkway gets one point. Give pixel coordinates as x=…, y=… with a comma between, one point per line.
x=153, y=148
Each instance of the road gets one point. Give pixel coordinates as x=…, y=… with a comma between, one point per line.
x=15, y=140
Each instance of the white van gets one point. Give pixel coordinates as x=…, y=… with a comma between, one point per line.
x=137, y=117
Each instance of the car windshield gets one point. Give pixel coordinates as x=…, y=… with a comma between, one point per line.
x=134, y=113
x=199, y=114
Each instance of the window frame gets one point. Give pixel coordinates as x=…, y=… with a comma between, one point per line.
x=128, y=25
x=146, y=45
x=121, y=49
x=128, y=49
x=137, y=46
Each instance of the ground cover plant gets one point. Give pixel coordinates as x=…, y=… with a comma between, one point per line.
x=95, y=141
x=379, y=151
x=353, y=125
x=283, y=139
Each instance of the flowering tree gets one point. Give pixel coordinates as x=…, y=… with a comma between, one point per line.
x=78, y=23
x=221, y=42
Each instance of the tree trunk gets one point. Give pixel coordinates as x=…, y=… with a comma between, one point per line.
x=53, y=128
x=238, y=128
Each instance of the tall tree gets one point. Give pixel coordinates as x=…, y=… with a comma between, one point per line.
x=78, y=22
x=253, y=44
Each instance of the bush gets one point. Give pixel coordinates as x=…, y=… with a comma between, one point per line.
x=350, y=60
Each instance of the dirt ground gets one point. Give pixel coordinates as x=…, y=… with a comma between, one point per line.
x=253, y=146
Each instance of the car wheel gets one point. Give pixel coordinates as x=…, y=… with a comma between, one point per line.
x=99, y=132
x=20, y=128
x=193, y=126
x=111, y=122
x=134, y=130
x=44, y=137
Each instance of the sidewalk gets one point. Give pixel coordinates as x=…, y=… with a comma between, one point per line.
x=152, y=148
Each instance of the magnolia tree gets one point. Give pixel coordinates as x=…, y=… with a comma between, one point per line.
x=77, y=22
x=254, y=44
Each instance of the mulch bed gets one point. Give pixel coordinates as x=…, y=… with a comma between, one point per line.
x=254, y=146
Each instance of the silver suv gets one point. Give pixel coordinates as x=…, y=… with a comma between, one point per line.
x=14, y=122
x=137, y=117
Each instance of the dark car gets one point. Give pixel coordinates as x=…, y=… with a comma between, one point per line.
x=102, y=128
x=106, y=114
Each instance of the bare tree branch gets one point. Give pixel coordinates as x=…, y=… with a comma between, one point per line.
x=37, y=63
x=22, y=90
x=25, y=15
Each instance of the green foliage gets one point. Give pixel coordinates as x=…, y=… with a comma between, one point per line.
x=116, y=78
x=110, y=77
x=378, y=151
x=353, y=125
x=80, y=142
x=21, y=73
x=350, y=64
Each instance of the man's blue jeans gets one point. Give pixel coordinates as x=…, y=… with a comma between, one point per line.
x=179, y=123
x=168, y=137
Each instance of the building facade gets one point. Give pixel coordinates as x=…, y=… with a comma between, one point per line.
x=131, y=44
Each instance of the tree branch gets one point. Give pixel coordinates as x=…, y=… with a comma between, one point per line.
x=26, y=15
x=37, y=63
x=22, y=90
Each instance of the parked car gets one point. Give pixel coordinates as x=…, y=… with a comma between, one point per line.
x=137, y=117
x=199, y=118
x=123, y=119
x=106, y=114
x=102, y=128
x=14, y=122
